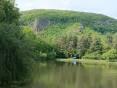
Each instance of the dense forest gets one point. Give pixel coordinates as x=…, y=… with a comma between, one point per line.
x=89, y=35
x=42, y=35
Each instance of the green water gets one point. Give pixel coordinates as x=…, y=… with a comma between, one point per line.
x=74, y=76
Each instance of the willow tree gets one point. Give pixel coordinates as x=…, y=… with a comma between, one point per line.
x=14, y=51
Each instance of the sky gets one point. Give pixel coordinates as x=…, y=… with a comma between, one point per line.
x=106, y=7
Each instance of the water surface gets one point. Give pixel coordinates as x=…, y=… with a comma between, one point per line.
x=74, y=76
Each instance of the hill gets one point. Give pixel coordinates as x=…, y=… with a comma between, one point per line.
x=66, y=33
x=39, y=19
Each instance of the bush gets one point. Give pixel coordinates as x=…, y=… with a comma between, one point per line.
x=51, y=55
x=42, y=56
x=111, y=55
x=94, y=55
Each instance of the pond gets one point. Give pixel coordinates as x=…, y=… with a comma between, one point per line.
x=73, y=76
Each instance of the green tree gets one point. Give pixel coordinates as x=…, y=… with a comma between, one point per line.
x=84, y=44
x=96, y=46
x=14, y=52
x=111, y=55
x=109, y=39
x=115, y=41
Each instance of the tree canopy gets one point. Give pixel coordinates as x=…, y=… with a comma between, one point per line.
x=14, y=60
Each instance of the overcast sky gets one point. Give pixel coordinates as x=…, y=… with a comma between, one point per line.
x=107, y=7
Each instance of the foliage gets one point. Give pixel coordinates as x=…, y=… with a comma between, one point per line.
x=96, y=46
x=51, y=55
x=15, y=55
x=93, y=55
x=110, y=55
x=8, y=13
x=115, y=41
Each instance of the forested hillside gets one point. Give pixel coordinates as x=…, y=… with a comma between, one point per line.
x=40, y=19
x=89, y=35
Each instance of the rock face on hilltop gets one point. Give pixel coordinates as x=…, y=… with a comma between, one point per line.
x=40, y=23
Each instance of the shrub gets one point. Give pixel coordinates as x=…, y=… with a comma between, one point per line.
x=42, y=56
x=51, y=55
x=110, y=55
x=94, y=55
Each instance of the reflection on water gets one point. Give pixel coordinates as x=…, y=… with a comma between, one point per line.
x=73, y=76
x=53, y=75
